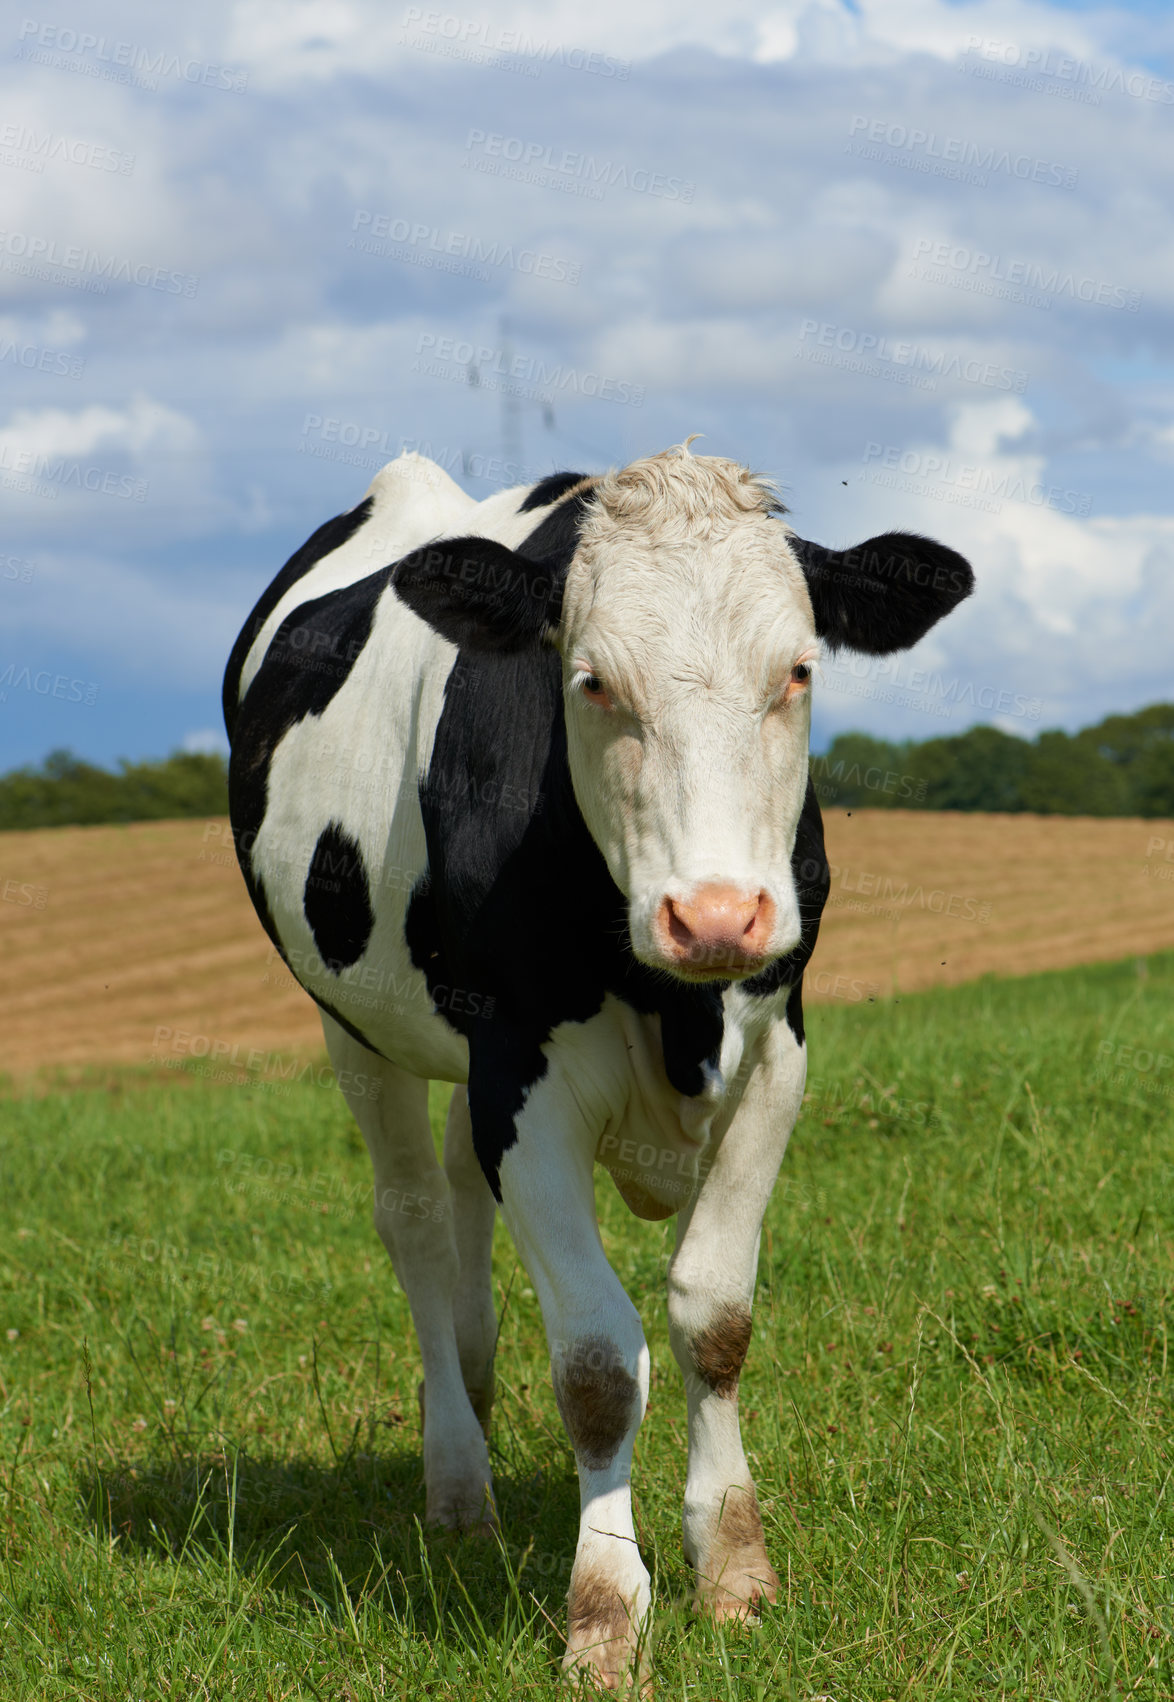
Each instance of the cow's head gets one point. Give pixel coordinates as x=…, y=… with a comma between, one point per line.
x=689, y=619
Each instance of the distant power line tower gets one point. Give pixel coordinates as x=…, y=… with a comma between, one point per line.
x=511, y=408
x=510, y=419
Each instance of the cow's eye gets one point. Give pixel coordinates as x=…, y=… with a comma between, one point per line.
x=797, y=682
x=595, y=691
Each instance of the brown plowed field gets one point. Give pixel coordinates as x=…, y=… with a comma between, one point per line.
x=109, y=934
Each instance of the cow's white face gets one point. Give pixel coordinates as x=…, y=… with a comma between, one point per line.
x=688, y=643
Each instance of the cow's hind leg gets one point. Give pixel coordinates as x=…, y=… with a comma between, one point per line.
x=474, y=1210
x=415, y=1219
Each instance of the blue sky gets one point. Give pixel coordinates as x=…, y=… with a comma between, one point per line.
x=913, y=259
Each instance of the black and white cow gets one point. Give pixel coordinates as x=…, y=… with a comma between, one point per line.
x=520, y=792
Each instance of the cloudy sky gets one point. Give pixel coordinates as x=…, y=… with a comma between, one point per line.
x=913, y=259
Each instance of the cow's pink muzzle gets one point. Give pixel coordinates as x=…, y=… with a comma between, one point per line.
x=718, y=932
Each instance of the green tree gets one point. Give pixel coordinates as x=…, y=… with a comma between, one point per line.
x=859, y=771
x=66, y=791
x=982, y=769
x=1141, y=749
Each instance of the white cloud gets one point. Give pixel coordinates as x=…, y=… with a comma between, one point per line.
x=134, y=429
x=980, y=428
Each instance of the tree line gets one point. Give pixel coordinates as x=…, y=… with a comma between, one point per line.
x=67, y=792
x=1124, y=766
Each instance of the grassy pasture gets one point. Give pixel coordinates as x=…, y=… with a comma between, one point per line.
x=957, y=1402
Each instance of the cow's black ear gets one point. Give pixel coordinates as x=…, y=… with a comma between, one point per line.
x=885, y=594
x=479, y=594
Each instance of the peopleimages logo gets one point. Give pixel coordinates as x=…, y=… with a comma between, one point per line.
x=453, y=251
x=41, y=474
x=17, y=567
x=971, y=479
x=23, y=252
x=350, y=442
x=121, y=61
x=891, y=889
x=21, y=146
x=996, y=275
x=173, y=1046
x=37, y=359
x=1091, y=80
x=893, y=679
x=552, y=167
x=957, y=151
x=875, y=354
x=45, y=684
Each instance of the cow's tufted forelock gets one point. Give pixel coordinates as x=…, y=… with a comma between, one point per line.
x=676, y=494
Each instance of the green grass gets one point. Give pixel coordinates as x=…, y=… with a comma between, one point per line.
x=957, y=1401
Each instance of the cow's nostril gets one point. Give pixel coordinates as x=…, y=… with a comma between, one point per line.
x=679, y=930
x=762, y=921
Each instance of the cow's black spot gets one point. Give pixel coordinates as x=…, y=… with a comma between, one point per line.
x=549, y=490
x=691, y=1027
x=337, y=899
x=326, y=539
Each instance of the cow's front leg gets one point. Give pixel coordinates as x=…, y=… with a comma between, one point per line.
x=710, y=1293
x=599, y=1366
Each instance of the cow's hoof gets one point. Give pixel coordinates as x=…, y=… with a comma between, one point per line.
x=458, y=1510
x=737, y=1588
x=734, y=1577
x=603, y=1668
x=456, y=1500
x=605, y=1650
